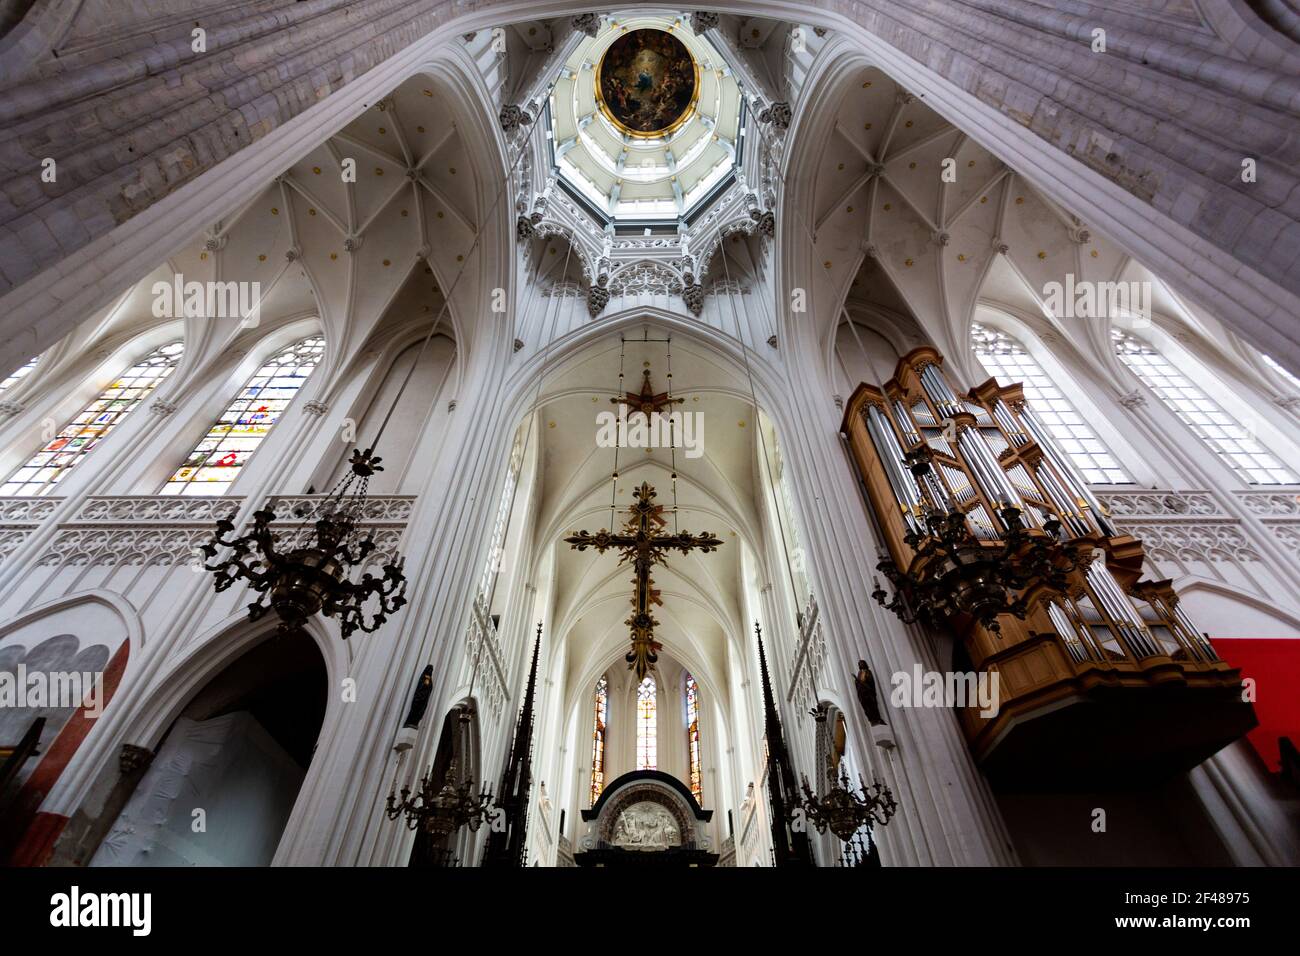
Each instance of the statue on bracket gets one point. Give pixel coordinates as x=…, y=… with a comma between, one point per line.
x=866, y=686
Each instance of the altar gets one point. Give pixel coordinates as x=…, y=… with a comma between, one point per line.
x=645, y=818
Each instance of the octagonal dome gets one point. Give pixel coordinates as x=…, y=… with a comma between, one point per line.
x=635, y=156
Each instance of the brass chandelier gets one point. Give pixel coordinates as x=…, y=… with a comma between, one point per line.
x=845, y=810
x=305, y=569
x=441, y=811
x=953, y=572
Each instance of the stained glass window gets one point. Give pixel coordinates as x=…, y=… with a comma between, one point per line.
x=598, y=740
x=1008, y=362
x=215, y=462
x=18, y=373
x=1223, y=434
x=49, y=465
x=647, y=739
x=693, y=737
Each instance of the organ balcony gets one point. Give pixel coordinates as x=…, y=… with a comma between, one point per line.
x=996, y=540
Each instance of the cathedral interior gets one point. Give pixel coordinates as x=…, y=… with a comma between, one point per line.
x=536, y=434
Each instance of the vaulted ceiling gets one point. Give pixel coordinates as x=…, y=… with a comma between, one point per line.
x=913, y=219
x=364, y=257
x=714, y=492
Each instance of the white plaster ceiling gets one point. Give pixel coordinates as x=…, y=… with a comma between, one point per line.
x=715, y=492
x=410, y=217
x=892, y=238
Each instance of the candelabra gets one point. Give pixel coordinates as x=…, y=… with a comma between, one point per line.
x=441, y=811
x=845, y=810
x=954, y=572
x=308, y=572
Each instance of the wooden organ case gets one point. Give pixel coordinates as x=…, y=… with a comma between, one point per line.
x=996, y=540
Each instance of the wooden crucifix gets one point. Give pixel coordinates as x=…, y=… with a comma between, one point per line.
x=642, y=546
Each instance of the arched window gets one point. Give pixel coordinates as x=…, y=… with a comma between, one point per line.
x=19, y=373
x=215, y=461
x=49, y=465
x=693, y=737
x=647, y=739
x=1222, y=433
x=598, y=739
x=1006, y=360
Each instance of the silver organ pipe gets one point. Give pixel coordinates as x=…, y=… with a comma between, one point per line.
x=956, y=479
x=1064, y=502
x=936, y=387
x=1066, y=629
x=1121, y=610
x=1008, y=422
x=1197, y=637
x=938, y=492
x=979, y=411
x=920, y=412
x=905, y=423
x=891, y=456
x=989, y=473
x=1065, y=465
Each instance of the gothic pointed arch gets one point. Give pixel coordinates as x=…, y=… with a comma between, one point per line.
x=243, y=743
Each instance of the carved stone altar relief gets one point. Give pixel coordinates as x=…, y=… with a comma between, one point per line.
x=645, y=826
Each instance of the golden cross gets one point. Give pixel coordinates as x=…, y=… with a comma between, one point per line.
x=642, y=547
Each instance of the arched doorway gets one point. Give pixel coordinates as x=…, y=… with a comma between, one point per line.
x=224, y=778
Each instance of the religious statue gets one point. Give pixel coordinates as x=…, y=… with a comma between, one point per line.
x=420, y=699
x=866, y=685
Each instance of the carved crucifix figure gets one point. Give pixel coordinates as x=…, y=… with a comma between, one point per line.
x=642, y=546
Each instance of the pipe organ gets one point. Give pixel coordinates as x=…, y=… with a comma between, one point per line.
x=996, y=541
